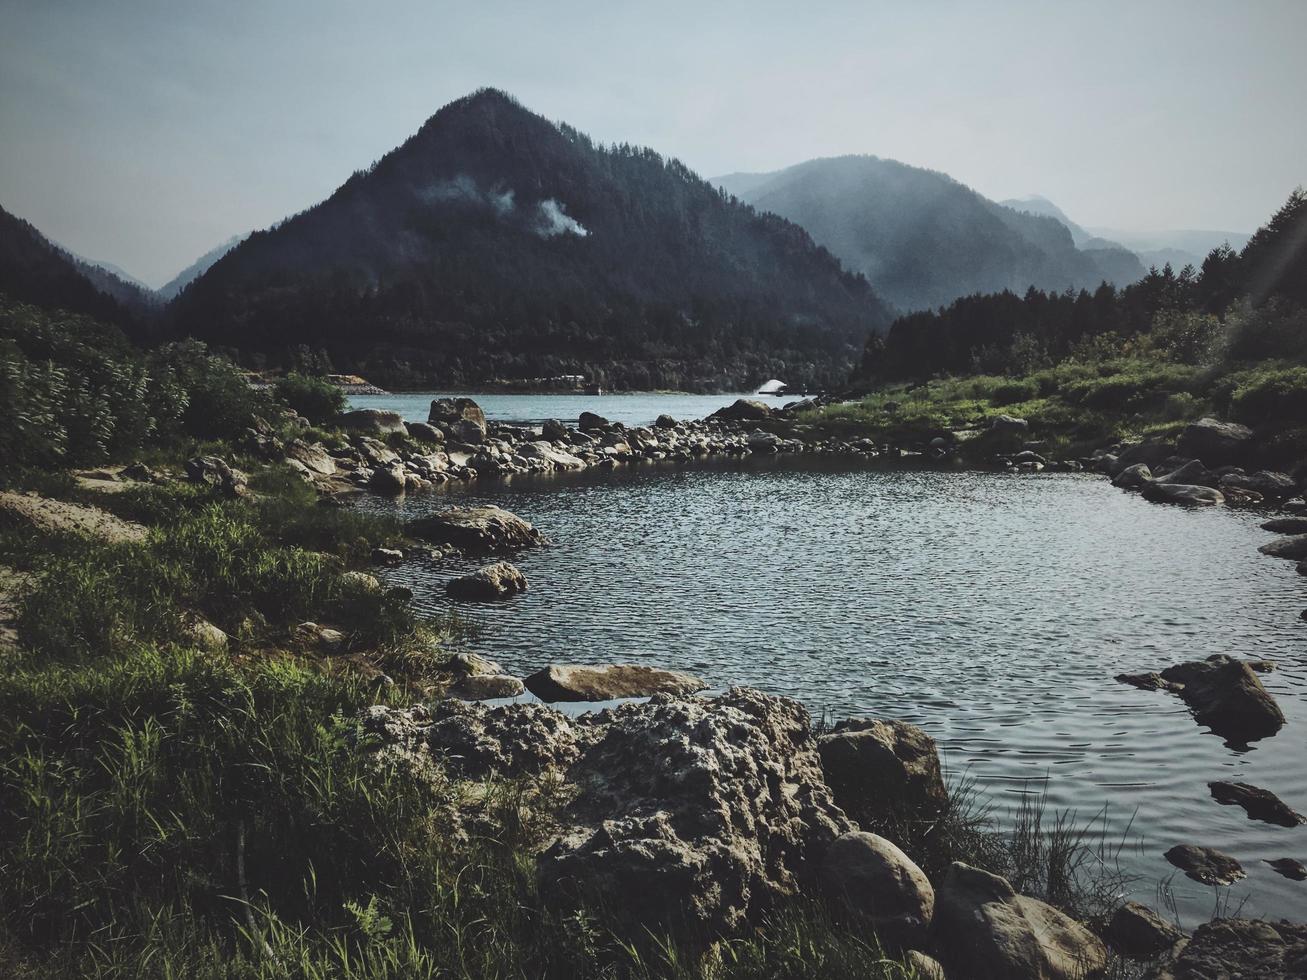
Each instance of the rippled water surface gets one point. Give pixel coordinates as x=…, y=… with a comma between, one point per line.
x=992, y=610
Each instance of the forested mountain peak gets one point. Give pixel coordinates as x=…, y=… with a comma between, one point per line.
x=494, y=243
x=922, y=238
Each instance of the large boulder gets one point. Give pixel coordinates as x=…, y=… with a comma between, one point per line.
x=743, y=410
x=1136, y=930
x=589, y=420
x=485, y=687
x=607, y=682
x=1224, y=694
x=372, y=422
x=1192, y=472
x=546, y=452
x=215, y=471
x=1008, y=425
x=1216, y=443
x=312, y=456
x=477, y=530
x=1286, y=525
x=391, y=480
x=446, y=411
x=1259, y=804
x=1133, y=477
x=985, y=931
x=1205, y=864
x=424, y=432
x=1151, y=454
x=880, y=887
x=1240, y=949
x=878, y=769
x=679, y=812
x=1185, y=494
x=1273, y=485
x=488, y=583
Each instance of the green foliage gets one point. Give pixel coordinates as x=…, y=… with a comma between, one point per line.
x=317, y=400
x=1011, y=392
x=1268, y=395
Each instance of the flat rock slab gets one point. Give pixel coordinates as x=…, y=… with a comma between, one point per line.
x=477, y=529
x=485, y=687
x=52, y=516
x=1260, y=804
x=606, y=682
x=1240, y=949
x=1205, y=864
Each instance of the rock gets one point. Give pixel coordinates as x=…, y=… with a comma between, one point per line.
x=764, y=442
x=485, y=687
x=214, y=471
x=1008, y=425
x=467, y=431
x=743, y=410
x=1286, y=525
x=1273, y=485
x=880, y=886
x=607, y=682
x=1216, y=443
x=386, y=556
x=424, y=432
x=1204, y=864
x=447, y=411
x=312, y=456
x=554, y=431
x=498, y=581
x=1133, y=477
x=923, y=967
x=371, y=421
x=472, y=665
x=1185, y=494
x=589, y=420
x=477, y=530
x=1240, y=949
x=556, y=458
x=361, y=581
x=878, y=769
x=1260, y=804
x=1154, y=454
x=1193, y=473
x=204, y=634
x=1136, y=930
x=390, y=480
x=1224, y=694
x=664, y=422
x=141, y=473
x=986, y=931
x=1292, y=547
x=1291, y=869
x=694, y=813
x=46, y=515
x=322, y=638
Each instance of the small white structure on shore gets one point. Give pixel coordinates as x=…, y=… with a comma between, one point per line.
x=772, y=387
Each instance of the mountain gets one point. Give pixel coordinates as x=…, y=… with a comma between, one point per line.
x=130, y=292
x=494, y=244
x=170, y=290
x=1155, y=248
x=35, y=270
x=921, y=238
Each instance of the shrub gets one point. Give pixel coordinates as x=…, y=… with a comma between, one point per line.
x=317, y=400
x=1012, y=392
x=1269, y=395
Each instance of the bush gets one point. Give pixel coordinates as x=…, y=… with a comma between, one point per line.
x=1269, y=395
x=317, y=400
x=1012, y=392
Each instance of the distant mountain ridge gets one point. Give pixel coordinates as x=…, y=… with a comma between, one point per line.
x=923, y=239
x=496, y=244
x=173, y=287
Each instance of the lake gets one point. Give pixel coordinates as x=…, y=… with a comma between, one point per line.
x=636, y=408
x=991, y=609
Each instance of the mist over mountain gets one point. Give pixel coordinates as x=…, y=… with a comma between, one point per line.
x=1178, y=247
x=921, y=238
x=174, y=286
x=35, y=270
x=496, y=244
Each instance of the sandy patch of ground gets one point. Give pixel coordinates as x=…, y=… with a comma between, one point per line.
x=61, y=515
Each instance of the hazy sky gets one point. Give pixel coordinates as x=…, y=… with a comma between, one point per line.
x=143, y=133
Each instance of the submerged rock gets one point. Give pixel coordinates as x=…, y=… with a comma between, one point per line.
x=1289, y=868
x=1260, y=804
x=1224, y=694
x=607, y=682
x=1205, y=864
x=986, y=931
x=1136, y=930
x=878, y=769
x=477, y=530
x=880, y=887
x=1239, y=949
x=488, y=583
x=1186, y=494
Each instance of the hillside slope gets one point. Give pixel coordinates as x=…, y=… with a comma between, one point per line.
x=496, y=244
